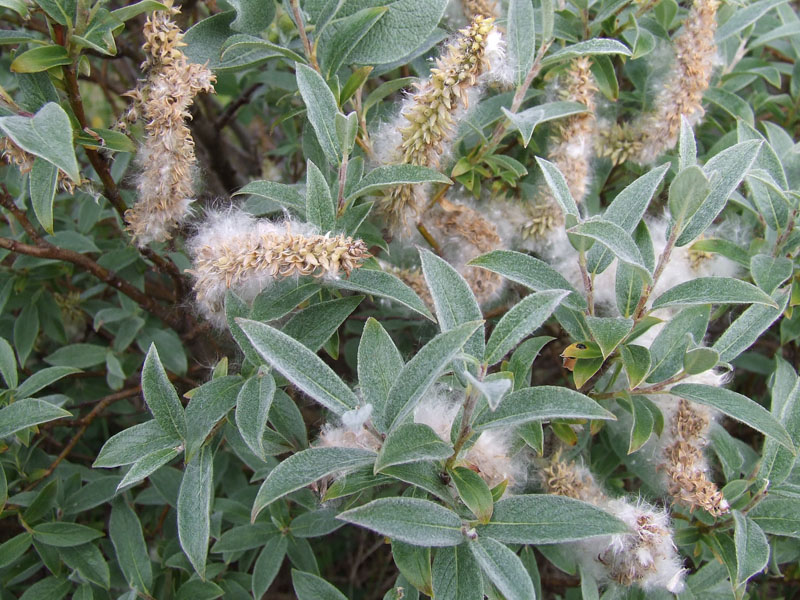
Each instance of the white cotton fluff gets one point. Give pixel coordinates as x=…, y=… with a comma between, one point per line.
x=352, y=432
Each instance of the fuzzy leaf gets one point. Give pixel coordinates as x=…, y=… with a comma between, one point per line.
x=411, y=442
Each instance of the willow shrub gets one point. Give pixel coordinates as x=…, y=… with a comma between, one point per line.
x=370, y=300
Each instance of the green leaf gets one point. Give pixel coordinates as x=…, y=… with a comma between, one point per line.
x=419, y=374
x=608, y=332
x=129, y=445
x=194, y=509
x=18, y=6
x=322, y=110
x=320, y=209
x=386, y=285
x=268, y=564
x=752, y=547
x=411, y=520
x=411, y=442
x=744, y=17
x=40, y=59
x=306, y=467
x=738, y=407
x=26, y=330
x=252, y=16
x=642, y=425
x=770, y=272
x=397, y=34
x=49, y=588
x=731, y=104
x=547, y=519
x=27, y=413
x=474, y=492
x=134, y=10
x=527, y=120
x=778, y=516
x=687, y=192
x=618, y=241
x=626, y=210
x=252, y=411
x=349, y=32
x=531, y=272
x=636, y=360
x=61, y=11
x=521, y=39
x=280, y=193
x=453, y=300
x=281, y=298
x=48, y=134
x=542, y=403
x=88, y=561
x=522, y=320
x=14, y=547
x=388, y=176
x=503, y=568
x=43, y=181
x=379, y=364
x=80, y=356
x=414, y=562
x=456, y=574
x=100, y=32
x=195, y=589
x=64, y=535
x=725, y=171
x=300, y=366
x=558, y=186
x=126, y=536
x=314, y=325
x=748, y=327
x=160, y=396
x=595, y=46
x=147, y=465
x=700, y=360
x=8, y=364
x=308, y=586
x=713, y=290
x=244, y=537
x=667, y=350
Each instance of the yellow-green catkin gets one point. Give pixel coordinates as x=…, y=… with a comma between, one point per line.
x=431, y=112
x=485, y=8
x=571, y=149
x=167, y=159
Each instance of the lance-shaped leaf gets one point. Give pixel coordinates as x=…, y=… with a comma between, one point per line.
x=531, y=272
x=752, y=547
x=737, y=407
x=453, y=300
x=748, y=327
x=126, y=535
x=503, y=568
x=27, y=413
x=320, y=209
x=618, y=241
x=608, y=332
x=411, y=442
x=456, y=574
x=522, y=320
x=283, y=195
x=521, y=37
x=160, y=396
x=388, y=176
x=424, y=369
x=300, y=365
x=133, y=443
x=558, y=186
x=322, y=110
x=595, y=46
x=386, y=285
x=548, y=519
x=527, y=120
x=306, y=467
x=713, y=290
x=379, y=364
x=474, y=492
x=411, y=520
x=252, y=411
x=308, y=586
x=542, y=403
x=194, y=509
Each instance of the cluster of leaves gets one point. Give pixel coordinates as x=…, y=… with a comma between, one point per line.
x=127, y=471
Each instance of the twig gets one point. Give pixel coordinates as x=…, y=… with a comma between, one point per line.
x=230, y=110
x=301, y=29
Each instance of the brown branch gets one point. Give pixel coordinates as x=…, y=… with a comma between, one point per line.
x=230, y=110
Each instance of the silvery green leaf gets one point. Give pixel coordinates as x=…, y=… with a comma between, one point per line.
x=388, y=176
x=744, y=17
x=268, y=564
x=314, y=325
x=281, y=194
x=210, y=403
x=48, y=134
x=306, y=467
x=133, y=443
x=411, y=520
x=126, y=535
x=27, y=413
x=687, y=147
x=725, y=171
x=379, y=364
x=420, y=373
x=608, y=332
x=8, y=364
x=411, y=442
x=315, y=523
x=667, y=350
x=547, y=519
x=503, y=568
x=299, y=365
x=626, y=210
x=778, y=516
x=194, y=509
x=308, y=586
x=521, y=38
x=700, y=360
x=527, y=120
x=453, y=300
x=542, y=403
x=713, y=290
x=777, y=462
x=474, y=492
x=244, y=537
x=493, y=387
x=531, y=272
x=252, y=411
x=770, y=272
x=558, y=186
x=386, y=285
x=243, y=49
x=146, y=465
x=322, y=110
x=43, y=183
x=456, y=574
x=738, y=407
x=752, y=547
x=160, y=396
x=414, y=563
x=595, y=46
x=618, y=241
x=642, y=425
x=320, y=209
x=252, y=16
x=687, y=192
x=522, y=320
x=349, y=32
